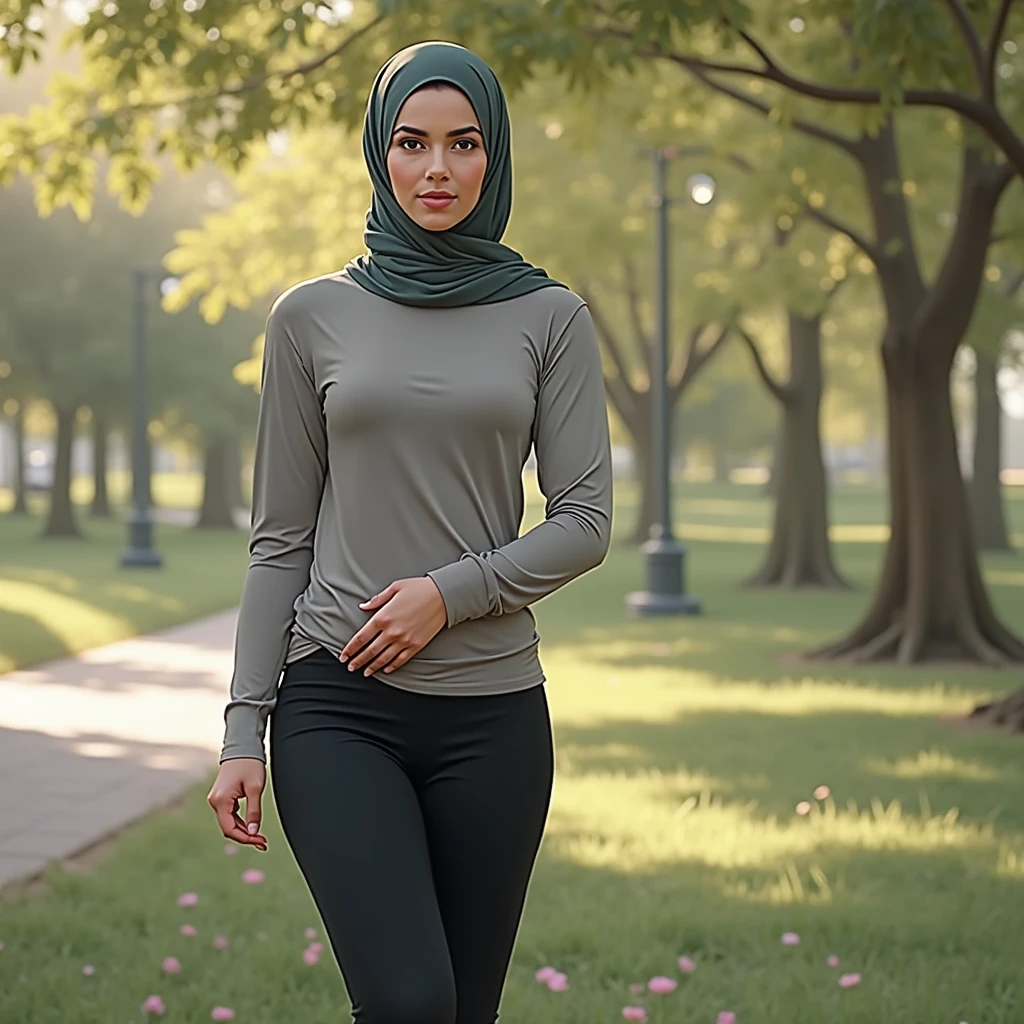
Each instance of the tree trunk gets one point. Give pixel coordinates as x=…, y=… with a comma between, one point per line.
x=800, y=554
x=100, y=508
x=215, y=512
x=61, y=520
x=986, y=489
x=647, y=508
x=931, y=601
x=20, y=490
x=233, y=471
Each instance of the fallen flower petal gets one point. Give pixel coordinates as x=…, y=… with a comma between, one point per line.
x=310, y=957
x=803, y=808
x=558, y=982
x=726, y=1017
x=153, y=1004
x=661, y=985
x=686, y=965
x=544, y=973
x=88, y=969
x=221, y=941
x=316, y=947
x=188, y=899
x=849, y=980
x=310, y=933
x=822, y=793
x=637, y=1013
x=252, y=876
x=187, y=929
x=833, y=961
x=171, y=965
x=790, y=939
x=222, y=1013
x=230, y=848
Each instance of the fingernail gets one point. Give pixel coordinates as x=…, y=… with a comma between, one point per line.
x=252, y=828
x=343, y=658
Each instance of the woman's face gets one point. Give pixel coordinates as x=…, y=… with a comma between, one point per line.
x=436, y=158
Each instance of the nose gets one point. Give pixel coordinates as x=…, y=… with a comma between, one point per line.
x=438, y=167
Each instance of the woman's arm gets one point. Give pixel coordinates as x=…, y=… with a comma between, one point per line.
x=574, y=471
x=288, y=480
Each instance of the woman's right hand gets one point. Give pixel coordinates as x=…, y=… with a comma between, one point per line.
x=240, y=777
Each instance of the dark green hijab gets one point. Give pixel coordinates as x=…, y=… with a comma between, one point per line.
x=467, y=264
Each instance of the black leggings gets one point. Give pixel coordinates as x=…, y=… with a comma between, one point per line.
x=415, y=820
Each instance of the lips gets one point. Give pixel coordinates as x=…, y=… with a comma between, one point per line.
x=436, y=200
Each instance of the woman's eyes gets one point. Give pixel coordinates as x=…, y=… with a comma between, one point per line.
x=469, y=144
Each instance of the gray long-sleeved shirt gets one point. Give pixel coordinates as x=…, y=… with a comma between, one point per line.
x=391, y=442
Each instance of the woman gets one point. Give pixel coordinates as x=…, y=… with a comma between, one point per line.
x=410, y=739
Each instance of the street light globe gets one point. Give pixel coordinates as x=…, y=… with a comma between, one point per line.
x=168, y=286
x=701, y=189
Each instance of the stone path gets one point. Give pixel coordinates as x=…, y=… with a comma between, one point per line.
x=92, y=742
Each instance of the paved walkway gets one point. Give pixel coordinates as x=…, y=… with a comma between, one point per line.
x=92, y=742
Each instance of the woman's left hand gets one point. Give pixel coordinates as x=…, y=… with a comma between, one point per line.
x=410, y=612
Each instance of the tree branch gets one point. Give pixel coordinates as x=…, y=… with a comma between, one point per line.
x=870, y=249
x=633, y=299
x=781, y=392
x=970, y=37
x=611, y=343
x=257, y=81
x=992, y=50
x=696, y=359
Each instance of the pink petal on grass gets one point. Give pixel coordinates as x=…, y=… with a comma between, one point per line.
x=153, y=1004
x=316, y=947
x=310, y=957
x=790, y=939
x=88, y=969
x=171, y=965
x=558, y=982
x=822, y=793
x=188, y=899
x=803, y=808
x=230, y=849
x=686, y=965
x=637, y=987
x=660, y=985
x=637, y=1013
x=220, y=941
x=187, y=929
x=726, y=1017
x=222, y=1013
x=310, y=933
x=833, y=961
x=849, y=980
x=544, y=973
x=252, y=876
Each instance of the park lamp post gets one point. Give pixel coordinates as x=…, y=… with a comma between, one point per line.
x=140, y=552
x=665, y=557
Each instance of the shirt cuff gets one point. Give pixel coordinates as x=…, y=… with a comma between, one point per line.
x=243, y=733
x=463, y=588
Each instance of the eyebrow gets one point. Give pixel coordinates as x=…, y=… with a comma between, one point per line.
x=419, y=131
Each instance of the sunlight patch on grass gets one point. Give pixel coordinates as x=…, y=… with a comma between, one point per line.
x=660, y=694
x=933, y=764
x=1004, y=576
x=626, y=824
x=143, y=595
x=66, y=618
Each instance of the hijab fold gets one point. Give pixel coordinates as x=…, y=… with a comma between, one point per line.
x=466, y=264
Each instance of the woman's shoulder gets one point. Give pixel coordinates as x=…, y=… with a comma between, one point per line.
x=316, y=294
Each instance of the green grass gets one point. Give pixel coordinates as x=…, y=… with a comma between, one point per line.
x=683, y=748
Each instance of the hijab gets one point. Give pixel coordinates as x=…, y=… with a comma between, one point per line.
x=466, y=264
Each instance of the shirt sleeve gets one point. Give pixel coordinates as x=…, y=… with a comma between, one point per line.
x=574, y=472
x=288, y=478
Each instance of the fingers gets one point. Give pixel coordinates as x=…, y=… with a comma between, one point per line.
x=225, y=806
x=253, y=813
x=375, y=656
x=400, y=659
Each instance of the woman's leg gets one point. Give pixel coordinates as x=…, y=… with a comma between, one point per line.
x=485, y=806
x=353, y=822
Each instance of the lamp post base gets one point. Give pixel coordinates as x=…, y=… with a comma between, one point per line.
x=665, y=593
x=140, y=551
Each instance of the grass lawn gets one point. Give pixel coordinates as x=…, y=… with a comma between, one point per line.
x=684, y=747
